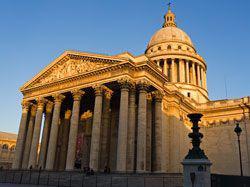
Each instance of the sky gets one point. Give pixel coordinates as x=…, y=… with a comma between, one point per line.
x=33, y=33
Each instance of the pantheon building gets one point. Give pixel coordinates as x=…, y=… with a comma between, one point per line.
x=129, y=113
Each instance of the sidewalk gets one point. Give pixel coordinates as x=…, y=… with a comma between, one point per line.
x=18, y=185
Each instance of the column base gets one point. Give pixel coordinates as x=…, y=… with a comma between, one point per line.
x=142, y=171
x=159, y=172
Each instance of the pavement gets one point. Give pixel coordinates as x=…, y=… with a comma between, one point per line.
x=19, y=185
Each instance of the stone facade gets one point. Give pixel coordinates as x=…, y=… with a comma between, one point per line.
x=129, y=113
x=7, y=149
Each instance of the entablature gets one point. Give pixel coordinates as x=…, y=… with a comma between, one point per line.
x=93, y=72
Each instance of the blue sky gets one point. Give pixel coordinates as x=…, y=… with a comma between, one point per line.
x=33, y=33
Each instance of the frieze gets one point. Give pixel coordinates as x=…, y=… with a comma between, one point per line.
x=70, y=68
x=85, y=79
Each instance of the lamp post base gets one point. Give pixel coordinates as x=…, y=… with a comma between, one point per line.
x=196, y=172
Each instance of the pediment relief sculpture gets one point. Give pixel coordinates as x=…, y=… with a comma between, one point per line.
x=68, y=69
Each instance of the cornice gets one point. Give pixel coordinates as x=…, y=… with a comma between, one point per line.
x=170, y=41
x=73, y=55
x=76, y=77
x=179, y=100
x=128, y=67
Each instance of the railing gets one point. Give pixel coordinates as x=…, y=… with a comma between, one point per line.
x=218, y=180
x=78, y=178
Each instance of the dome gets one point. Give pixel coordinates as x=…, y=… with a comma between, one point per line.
x=170, y=34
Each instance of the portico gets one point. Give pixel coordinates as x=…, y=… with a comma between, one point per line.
x=125, y=112
x=78, y=130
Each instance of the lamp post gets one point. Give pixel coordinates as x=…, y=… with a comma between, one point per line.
x=196, y=165
x=238, y=131
x=196, y=152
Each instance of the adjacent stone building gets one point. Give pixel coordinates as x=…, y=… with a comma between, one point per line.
x=128, y=112
x=7, y=149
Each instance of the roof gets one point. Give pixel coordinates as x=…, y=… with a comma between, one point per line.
x=170, y=34
x=7, y=136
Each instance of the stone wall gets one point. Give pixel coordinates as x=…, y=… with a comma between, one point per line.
x=221, y=146
x=71, y=179
x=175, y=141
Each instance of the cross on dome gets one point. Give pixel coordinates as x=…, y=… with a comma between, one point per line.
x=169, y=18
x=169, y=6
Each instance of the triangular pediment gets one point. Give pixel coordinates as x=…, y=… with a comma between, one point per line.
x=70, y=65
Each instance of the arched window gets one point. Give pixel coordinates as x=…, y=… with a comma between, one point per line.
x=169, y=47
x=167, y=18
x=12, y=148
x=5, y=147
x=188, y=49
x=159, y=48
x=179, y=47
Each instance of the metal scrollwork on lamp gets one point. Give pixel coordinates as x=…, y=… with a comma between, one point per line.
x=196, y=152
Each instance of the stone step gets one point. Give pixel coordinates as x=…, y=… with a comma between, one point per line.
x=79, y=179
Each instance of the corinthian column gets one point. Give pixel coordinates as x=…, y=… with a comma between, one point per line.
x=45, y=134
x=142, y=127
x=105, y=128
x=187, y=72
x=131, y=130
x=77, y=95
x=202, y=78
x=149, y=132
x=21, y=137
x=54, y=132
x=96, y=130
x=165, y=67
x=181, y=70
x=198, y=75
x=87, y=117
x=157, y=144
x=29, y=135
x=194, y=74
x=123, y=126
x=205, y=79
x=36, y=133
x=173, y=71
x=65, y=139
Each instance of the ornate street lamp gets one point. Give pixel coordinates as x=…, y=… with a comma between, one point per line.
x=196, y=152
x=196, y=165
x=238, y=131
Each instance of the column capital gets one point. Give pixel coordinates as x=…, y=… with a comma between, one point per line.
x=41, y=102
x=33, y=110
x=158, y=95
x=58, y=98
x=142, y=85
x=149, y=96
x=49, y=106
x=108, y=92
x=133, y=89
x=125, y=83
x=25, y=106
x=77, y=94
x=98, y=89
x=67, y=114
